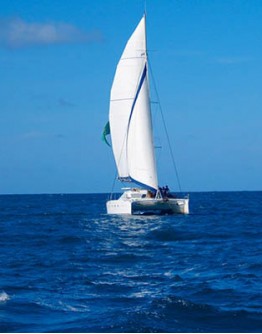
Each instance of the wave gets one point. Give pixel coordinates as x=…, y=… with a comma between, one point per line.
x=63, y=306
x=123, y=258
x=172, y=303
x=4, y=297
x=204, y=317
x=168, y=233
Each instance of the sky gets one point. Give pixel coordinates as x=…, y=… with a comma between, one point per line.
x=57, y=63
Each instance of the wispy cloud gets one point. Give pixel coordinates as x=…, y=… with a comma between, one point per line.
x=232, y=60
x=17, y=33
x=33, y=135
x=189, y=53
x=65, y=103
x=36, y=135
x=204, y=56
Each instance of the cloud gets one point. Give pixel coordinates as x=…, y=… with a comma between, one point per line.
x=232, y=60
x=189, y=53
x=15, y=33
x=33, y=135
x=36, y=135
x=65, y=104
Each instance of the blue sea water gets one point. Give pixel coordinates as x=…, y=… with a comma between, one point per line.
x=66, y=266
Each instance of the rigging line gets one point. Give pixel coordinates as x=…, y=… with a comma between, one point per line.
x=113, y=186
x=165, y=127
x=117, y=163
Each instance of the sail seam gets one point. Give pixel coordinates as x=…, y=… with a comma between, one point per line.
x=125, y=99
x=139, y=57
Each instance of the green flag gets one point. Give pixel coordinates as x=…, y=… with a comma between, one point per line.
x=106, y=132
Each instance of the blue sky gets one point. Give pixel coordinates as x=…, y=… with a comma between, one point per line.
x=57, y=62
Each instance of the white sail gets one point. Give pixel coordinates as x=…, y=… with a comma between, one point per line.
x=130, y=115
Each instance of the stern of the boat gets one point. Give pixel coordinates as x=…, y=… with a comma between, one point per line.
x=140, y=201
x=161, y=206
x=118, y=207
x=180, y=205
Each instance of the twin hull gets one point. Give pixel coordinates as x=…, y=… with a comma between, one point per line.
x=138, y=203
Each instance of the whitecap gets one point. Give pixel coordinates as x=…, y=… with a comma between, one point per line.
x=4, y=297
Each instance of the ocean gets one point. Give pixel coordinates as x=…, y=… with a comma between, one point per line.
x=67, y=266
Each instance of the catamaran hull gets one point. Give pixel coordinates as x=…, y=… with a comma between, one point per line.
x=148, y=206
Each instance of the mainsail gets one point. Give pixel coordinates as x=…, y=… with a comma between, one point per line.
x=130, y=114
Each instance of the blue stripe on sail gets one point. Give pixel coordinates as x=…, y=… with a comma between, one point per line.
x=130, y=179
x=137, y=93
x=124, y=179
x=143, y=76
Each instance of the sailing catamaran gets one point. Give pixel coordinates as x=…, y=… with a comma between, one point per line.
x=132, y=136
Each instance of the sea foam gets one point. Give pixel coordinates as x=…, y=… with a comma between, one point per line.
x=4, y=297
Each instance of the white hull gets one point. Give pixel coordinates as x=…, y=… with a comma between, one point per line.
x=136, y=202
